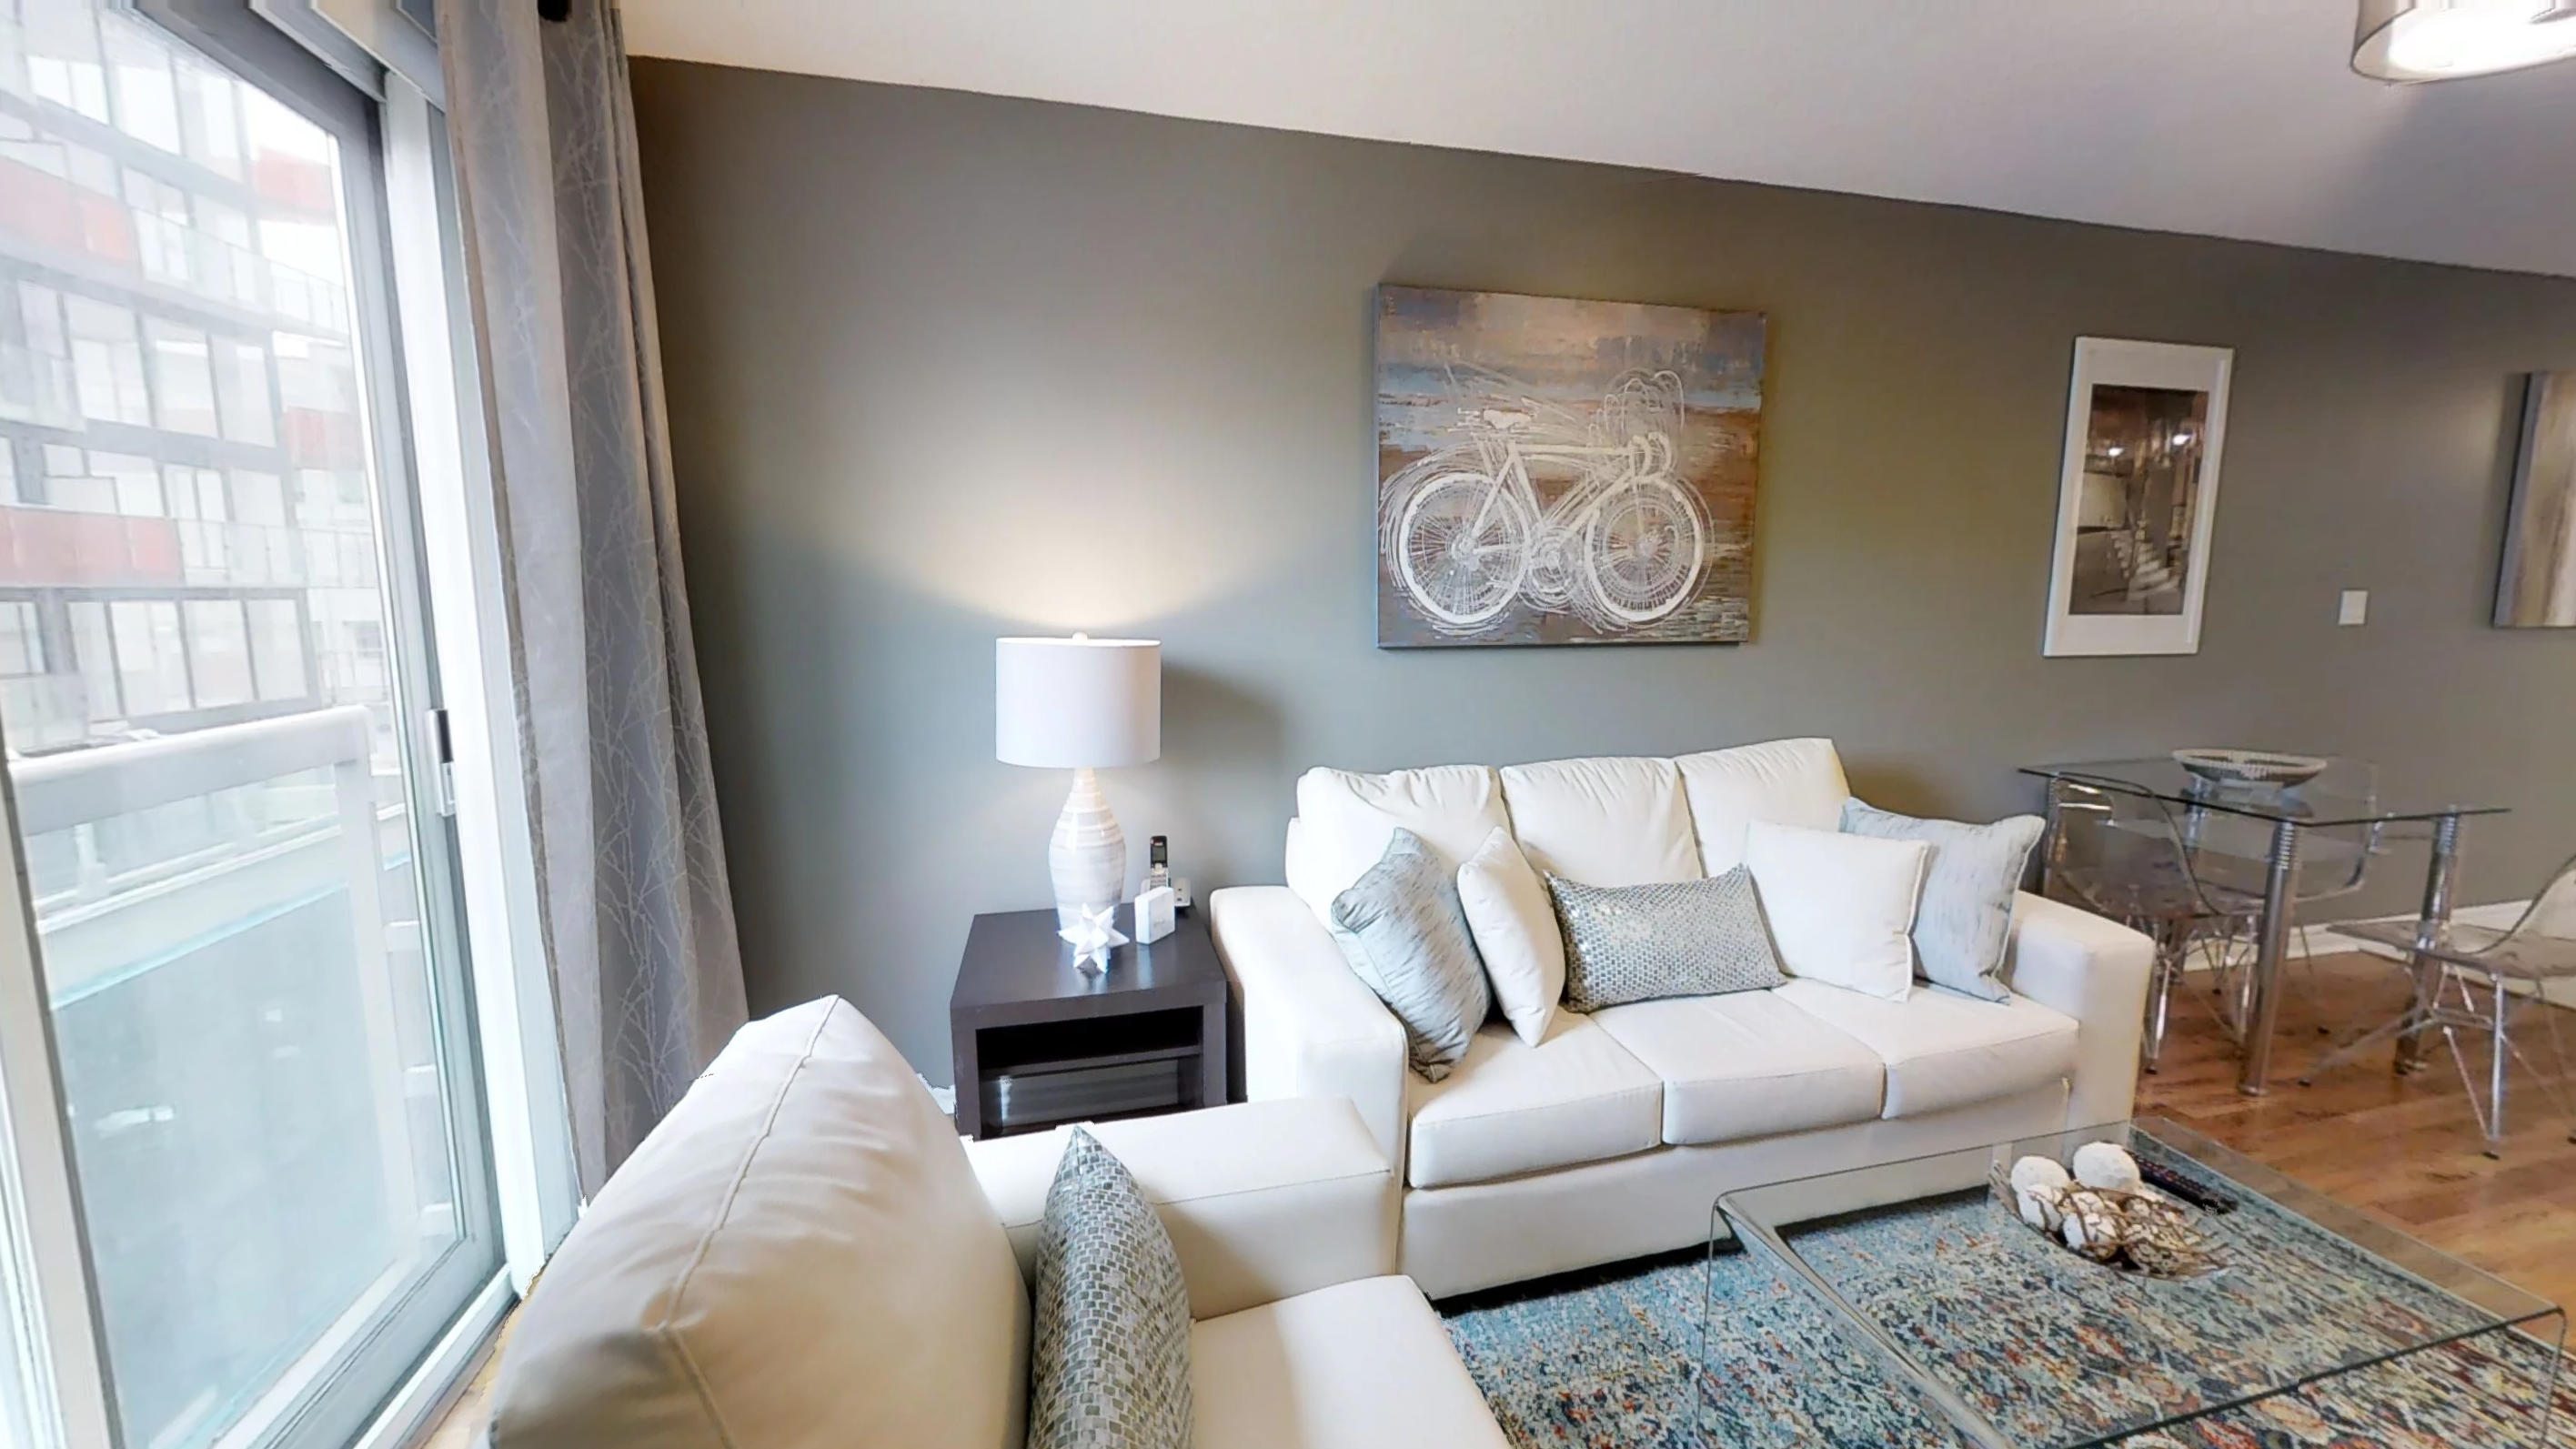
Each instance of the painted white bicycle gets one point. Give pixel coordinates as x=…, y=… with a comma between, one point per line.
x=1622, y=544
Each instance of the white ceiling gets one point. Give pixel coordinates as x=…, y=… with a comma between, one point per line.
x=2236, y=118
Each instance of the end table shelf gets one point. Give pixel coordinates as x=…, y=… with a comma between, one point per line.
x=1038, y=1041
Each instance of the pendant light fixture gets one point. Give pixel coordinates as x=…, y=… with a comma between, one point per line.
x=2430, y=40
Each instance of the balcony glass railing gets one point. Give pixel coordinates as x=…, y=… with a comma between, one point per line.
x=245, y=1036
x=43, y=546
x=210, y=267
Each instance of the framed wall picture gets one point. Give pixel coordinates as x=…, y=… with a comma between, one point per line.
x=2536, y=587
x=2137, y=497
x=1558, y=471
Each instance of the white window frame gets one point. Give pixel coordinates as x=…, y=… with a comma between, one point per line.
x=528, y=1124
x=460, y=534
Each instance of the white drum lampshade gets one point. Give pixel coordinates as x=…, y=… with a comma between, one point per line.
x=1080, y=704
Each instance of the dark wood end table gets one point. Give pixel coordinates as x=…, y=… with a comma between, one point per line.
x=1038, y=1041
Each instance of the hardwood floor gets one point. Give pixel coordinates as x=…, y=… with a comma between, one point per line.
x=2404, y=1148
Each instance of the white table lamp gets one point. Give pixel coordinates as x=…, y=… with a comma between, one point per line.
x=1080, y=704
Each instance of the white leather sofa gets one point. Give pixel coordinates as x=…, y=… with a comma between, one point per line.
x=803, y=1255
x=1612, y=1137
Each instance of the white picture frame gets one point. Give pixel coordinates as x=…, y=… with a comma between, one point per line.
x=2137, y=497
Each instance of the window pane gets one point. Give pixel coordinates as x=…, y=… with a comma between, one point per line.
x=153, y=662
x=277, y=648
x=204, y=691
x=133, y=482
x=107, y=360
x=242, y=388
x=22, y=650
x=183, y=378
x=258, y=498
x=218, y=652
x=95, y=656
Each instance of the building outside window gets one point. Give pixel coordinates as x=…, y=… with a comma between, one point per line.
x=211, y=692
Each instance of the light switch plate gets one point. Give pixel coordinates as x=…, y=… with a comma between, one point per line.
x=2354, y=607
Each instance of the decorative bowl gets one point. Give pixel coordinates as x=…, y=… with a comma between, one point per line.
x=2250, y=767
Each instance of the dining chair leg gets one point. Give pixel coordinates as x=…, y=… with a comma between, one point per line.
x=2502, y=1003
x=2421, y=1014
x=2316, y=995
x=2563, y=1076
x=2554, y=1084
x=2489, y=1114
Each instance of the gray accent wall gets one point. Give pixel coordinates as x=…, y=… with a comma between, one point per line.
x=944, y=367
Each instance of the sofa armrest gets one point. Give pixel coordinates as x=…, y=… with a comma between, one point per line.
x=2094, y=970
x=1310, y=1027
x=1264, y=1200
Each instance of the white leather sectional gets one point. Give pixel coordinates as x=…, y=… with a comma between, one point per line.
x=804, y=1256
x=1612, y=1136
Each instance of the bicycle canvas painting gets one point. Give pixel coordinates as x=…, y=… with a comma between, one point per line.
x=1556, y=471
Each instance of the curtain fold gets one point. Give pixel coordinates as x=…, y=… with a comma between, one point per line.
x=636, y=911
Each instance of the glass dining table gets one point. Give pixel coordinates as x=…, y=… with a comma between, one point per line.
x=2289, y=814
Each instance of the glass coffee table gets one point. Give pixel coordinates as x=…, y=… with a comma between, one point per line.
x=2013, y=1341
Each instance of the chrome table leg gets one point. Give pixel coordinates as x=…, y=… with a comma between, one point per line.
x=2163, y=977
x=2271, y=943
x=2439, y=874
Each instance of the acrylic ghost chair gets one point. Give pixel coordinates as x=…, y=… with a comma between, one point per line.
x=2120, y=853
x=2517, y=968
x=2229, y=854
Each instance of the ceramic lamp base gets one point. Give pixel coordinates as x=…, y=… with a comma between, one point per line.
x=1087, y=855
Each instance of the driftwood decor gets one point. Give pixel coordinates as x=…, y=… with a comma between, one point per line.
x=2134, y=1228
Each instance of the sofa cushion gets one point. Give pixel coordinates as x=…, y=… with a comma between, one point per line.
x=1604, y=822
x=1360, y=1365
x=1747, y=1065
x=805, y=1192
x=1109, y=1355
x=1345, y=819
x=1945, y=1050
x=1508, y=1108
x=1787, y=782
x=1263, y=1200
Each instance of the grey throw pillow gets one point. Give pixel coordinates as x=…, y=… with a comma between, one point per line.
x=1965, y=915
x=1109, y=1354
x=1637, y=943
x=1406, y=936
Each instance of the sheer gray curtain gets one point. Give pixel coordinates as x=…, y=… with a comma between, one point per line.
x=637, y=915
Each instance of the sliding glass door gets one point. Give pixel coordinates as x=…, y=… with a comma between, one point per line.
x=240, y=919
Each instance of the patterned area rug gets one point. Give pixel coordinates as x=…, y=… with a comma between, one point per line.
x=1611, y=1359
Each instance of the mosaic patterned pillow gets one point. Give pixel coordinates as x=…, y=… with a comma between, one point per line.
x=1686, y=938
x=1109, y=1363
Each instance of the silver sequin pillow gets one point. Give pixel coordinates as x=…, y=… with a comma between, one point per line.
x=1637, y=943
x=1109, y=1356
